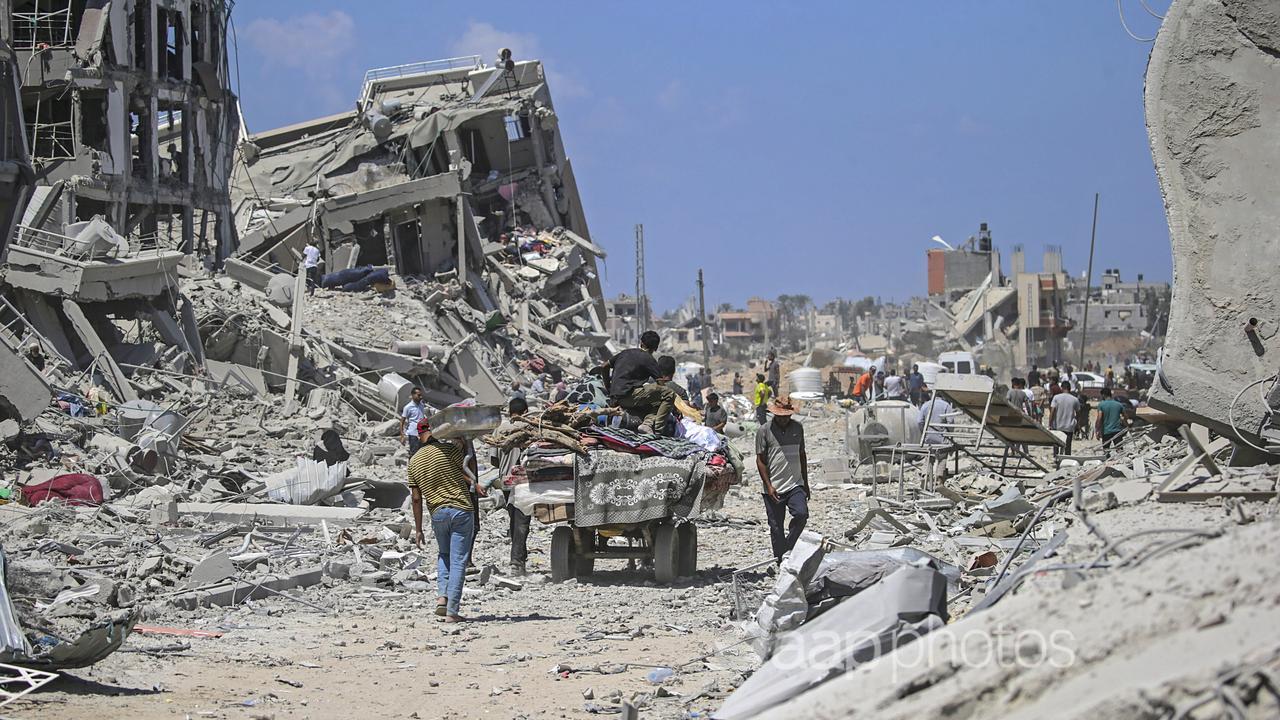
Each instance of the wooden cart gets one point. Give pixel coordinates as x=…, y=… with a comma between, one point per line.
x=671, y=548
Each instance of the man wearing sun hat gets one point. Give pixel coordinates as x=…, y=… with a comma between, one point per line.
x=783, y=467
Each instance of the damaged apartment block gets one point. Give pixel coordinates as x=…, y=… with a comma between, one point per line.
x=128, y=122
x=452, y=175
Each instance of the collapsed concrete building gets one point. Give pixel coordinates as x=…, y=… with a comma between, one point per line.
x=128, y=120
x=442, y=173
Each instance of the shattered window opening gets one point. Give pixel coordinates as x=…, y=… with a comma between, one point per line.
x=515, y=128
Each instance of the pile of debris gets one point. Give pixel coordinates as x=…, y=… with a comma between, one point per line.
x=964, y=551
x=175, y=424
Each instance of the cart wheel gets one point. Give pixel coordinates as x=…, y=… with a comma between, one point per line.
x=666, y=553
x=562, y=556
x=688, y=565
x=583, y=565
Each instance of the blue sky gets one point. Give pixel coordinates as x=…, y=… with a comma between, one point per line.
x=808, y=147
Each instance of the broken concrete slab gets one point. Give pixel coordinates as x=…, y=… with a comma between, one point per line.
x=273, y=514
x=253, y=589
x=24, y=393
x=213, y=568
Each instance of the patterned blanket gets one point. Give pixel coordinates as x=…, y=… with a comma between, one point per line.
x=622, y=488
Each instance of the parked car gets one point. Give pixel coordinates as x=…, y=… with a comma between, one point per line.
x=1090, y=384
x=958, y=362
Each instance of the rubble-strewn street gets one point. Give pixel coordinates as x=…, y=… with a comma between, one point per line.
x=333, y=418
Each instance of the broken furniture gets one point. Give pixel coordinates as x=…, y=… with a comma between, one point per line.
x=998, y=434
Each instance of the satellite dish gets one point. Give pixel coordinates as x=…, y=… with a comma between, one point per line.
x=938, y=239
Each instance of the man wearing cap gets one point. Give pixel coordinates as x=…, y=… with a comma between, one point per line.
x=438, y=476
x=784, y=472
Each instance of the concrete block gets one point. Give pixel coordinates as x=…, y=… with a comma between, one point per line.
x=216, y=566
x=1217, y=175
x=273, y=514
x=237, y=592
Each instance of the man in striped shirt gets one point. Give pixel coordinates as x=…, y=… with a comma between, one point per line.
x=437, y=475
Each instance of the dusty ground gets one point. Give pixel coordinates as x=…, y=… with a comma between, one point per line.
x=384, y=654
x=578, y=649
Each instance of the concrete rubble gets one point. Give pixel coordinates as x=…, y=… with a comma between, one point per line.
x=202, y=471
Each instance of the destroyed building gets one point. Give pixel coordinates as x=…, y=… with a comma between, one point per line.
x=454, y=176
x=127, y=118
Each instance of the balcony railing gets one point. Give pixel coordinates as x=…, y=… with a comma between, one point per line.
x=426, y=67
x=52, y=243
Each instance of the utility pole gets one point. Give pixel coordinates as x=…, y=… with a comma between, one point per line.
x=642, y=300
x=702, y=319
x=1088, y=280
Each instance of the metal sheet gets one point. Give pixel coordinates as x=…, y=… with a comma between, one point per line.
x=970, y=394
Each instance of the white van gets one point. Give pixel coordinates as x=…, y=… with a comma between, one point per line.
x=958, y=362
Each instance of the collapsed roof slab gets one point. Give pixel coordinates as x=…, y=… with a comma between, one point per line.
x=342, y=212
x=147, y=275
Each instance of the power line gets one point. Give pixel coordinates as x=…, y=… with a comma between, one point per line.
x=1125, y=25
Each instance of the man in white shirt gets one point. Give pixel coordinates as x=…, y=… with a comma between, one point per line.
x=311, y=262
x=895, y=387
x=413, y=413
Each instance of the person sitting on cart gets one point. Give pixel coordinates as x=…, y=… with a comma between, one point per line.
x=632, y=380
x=436, y=474
x=784, y=471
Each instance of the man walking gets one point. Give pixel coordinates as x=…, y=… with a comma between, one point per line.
x=506, y=461
x=632, y=376
x=737, y=383
x=761, y=399
x=1111, y=419
x=437, y=476
x=1017, y=395
x=1062, y=417
x=411, y=415
x=784, y=472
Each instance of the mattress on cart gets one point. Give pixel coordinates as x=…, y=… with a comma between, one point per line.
x=617, y=488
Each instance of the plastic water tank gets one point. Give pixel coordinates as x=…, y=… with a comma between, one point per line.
x=806, y=380
x=395, y=389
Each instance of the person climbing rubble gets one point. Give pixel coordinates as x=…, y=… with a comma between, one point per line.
x=437, y=476
x=784, y=475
